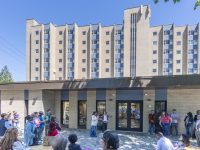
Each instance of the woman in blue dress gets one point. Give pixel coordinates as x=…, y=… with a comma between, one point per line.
x=29, y=131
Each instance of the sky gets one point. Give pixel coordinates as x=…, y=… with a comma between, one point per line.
x=13, y=15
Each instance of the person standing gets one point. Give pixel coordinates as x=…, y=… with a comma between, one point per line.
x=152, y=120
x=16, y=119
x=47, y=120
x=29, y=131
x=105, y=121
x=41, y=127
x=189, y=124
x=197, y=131
x=94, y=125
x=36, y=122
x=53, y=127
x=165, y=123
x=174, y=124
x=4, y=124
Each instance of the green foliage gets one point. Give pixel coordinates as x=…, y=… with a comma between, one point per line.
x=5, y=75
x=176, y=1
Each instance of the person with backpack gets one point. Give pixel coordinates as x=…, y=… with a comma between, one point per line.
x=197, y=131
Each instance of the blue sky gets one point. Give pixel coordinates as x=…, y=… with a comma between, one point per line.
x=13, y=15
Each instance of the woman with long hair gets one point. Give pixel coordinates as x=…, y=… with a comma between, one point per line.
x=10, y=140
x=53, y=127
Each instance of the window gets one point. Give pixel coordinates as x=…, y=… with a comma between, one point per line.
x=36, y=69
x=155, y=61
x=46, y=60
x=107, y=33
x=46, y=31
x=84, y=33
x=166, y=51
x=46, y=41
x=83, y=69
x=83, y=51
x=36, y=60
x=36, y=32
x=36, y=78
x=107, y=42
x=60, y=78
x=60, y=60
x=37, y=41
x=154, y=42
x=94, y=31
x=70, y=32
x=166, y=32
x=60, y=42
x=178, y=52
x=178, y=43
x=178, y=61
x=83, y=42
x=191, y=42
x=46, y=50
x=65, y=112
x=37, y=50
x=60, y=32
x=107, y=51
x=94, y=41
x=101, y=107
x=166, y=42
x=107, y=60
x=60, y=50
x=178, y=70
x=83, y=60
x=154, y=33
x=154, y=70
x=60, y=69
x=46, y=68
x=107, y=69
x=178, y=33
x=191, y=32
x=154, y=51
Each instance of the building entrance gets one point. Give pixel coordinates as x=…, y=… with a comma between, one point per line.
x=129, y=115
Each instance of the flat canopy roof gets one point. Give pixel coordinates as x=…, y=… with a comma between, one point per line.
x=180, y=81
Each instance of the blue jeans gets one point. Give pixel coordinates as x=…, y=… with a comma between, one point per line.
x=41, y=129
x=189, y=129
x=151, y=128
x=165, y=127
x=93, y=131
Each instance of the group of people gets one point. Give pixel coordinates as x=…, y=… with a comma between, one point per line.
x=9, y=120
x=103, y=121
x=167, y=124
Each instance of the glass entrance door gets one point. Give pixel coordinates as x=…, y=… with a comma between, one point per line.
x=82, y=114
x=129, y=116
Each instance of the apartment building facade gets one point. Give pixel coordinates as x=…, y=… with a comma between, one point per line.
x=130, y=49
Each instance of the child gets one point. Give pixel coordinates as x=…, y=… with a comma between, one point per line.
x=73, y=139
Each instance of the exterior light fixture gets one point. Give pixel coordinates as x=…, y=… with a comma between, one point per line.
x=11, y=100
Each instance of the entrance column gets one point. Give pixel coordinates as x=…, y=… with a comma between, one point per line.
x=111, y=108
x=73, y=109
x=148, y=105
x=91, y=106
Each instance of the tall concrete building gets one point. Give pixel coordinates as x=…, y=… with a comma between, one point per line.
x=130, y=49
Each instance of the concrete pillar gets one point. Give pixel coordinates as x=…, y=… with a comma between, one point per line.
x=111, y=108
x=58, y=106
x=91, y=106
x=148, y=105
x=73, y=109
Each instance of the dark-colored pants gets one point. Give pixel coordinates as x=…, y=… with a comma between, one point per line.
x=151, y=128
x=189, y=130
x=174, y=128
x=105, y=126
x=40, y=133
x=165, y=127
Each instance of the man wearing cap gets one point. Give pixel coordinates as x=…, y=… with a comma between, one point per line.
x=174, y=124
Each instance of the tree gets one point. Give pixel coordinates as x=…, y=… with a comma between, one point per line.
x=5, y=75
x=197, y=3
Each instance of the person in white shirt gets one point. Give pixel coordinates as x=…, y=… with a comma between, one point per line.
x=105, y=121
x=94, y=122
x=163, y=143
x=197, y=132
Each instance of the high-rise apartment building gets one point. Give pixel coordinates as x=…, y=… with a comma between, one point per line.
x=130, y=49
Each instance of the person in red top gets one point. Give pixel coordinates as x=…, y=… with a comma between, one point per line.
x=165, y=121
x=53, y=127
x=152, y=120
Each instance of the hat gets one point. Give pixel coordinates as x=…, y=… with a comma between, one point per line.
x=3, y=115
x=41, y=112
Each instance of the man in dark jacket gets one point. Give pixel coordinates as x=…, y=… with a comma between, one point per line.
x=4, y=124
